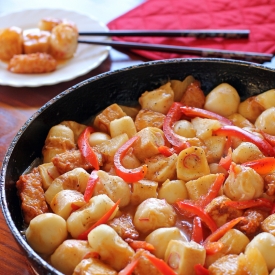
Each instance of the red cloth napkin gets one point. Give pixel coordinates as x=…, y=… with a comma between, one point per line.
x=256, y=15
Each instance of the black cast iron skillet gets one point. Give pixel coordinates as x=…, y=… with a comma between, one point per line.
x=85, y=99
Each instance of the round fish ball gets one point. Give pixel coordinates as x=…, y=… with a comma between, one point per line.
x=64, y=41
x=46, y=232
x=97, y=138
x=184, y=128
x=152, y=214
x=161, y=237
x=265, y=243
x=223, y=100
x=266, y=121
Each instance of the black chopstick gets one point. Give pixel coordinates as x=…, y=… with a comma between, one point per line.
x=175, y=33
x=204, y=52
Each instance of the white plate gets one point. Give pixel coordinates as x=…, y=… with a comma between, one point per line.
x=87, y=57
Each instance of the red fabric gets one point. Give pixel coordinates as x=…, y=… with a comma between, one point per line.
x=256, y=15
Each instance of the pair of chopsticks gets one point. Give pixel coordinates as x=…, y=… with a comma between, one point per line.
x=201, y=34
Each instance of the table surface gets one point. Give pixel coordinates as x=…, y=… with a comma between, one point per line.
x=18, y=104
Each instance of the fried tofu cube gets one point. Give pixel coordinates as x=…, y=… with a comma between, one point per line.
x=142, y=190
x=149, y=118
x=102, y=120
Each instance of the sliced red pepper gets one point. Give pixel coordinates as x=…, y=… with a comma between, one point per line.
x=197, y=112
x=198, y=211
x=128, y=270
x=166, y=151
x=213, y=190
x=262, y=144
x=269, y=138
x=93, y=179
x=174, y=114
x=226, y=161
x=161, y=265
x=217, y=234
x=140, y=244
x=272, y=209
x=201, y=270
x=213, y=247
x=260, y=202
x=197, y=232
x=102, y=220
x=85, y=148
x=128, y=175
x=74, y=207
x=262, y=166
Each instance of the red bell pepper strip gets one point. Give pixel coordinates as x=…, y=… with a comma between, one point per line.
x=262, y=166
x=262, y=144
x=102, y=220
x=128, y=175
x=269, y=138
x=174, y=114
x=93, y=179
x=213, y=247
x=217, y=234
x=128, y=270
x=166, y=151
x=85, y=148
x=197, y=112
x=140, y=244
x=197, y=232
x=213, y=190
x=161, y=265
x=272, y=209
x=74, y=207
x=260, y=202
x=198, y=211
x=226, y=161
x=201, y=270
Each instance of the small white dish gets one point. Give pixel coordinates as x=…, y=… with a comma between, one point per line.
x=87, y=57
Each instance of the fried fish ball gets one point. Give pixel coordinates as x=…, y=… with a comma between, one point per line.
x=173, y=190
x=158, y=100
x=69, y=254
x=60, y=138
x=83, y=218
x=11, y=43
x=75, y=179
x=246, y=151
x=64, y=40
x=265, y=121
x=268, y=225
x=223, y=100
x=33, y=63
x=265, y=243
x=63, y=202
x=112, y=249
x=184, y=128
x=35, y=41
x=161, y=237
x=243, y=183
x=46, y=232
x=114, y=187
x=152, y=214
x=48, y=23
